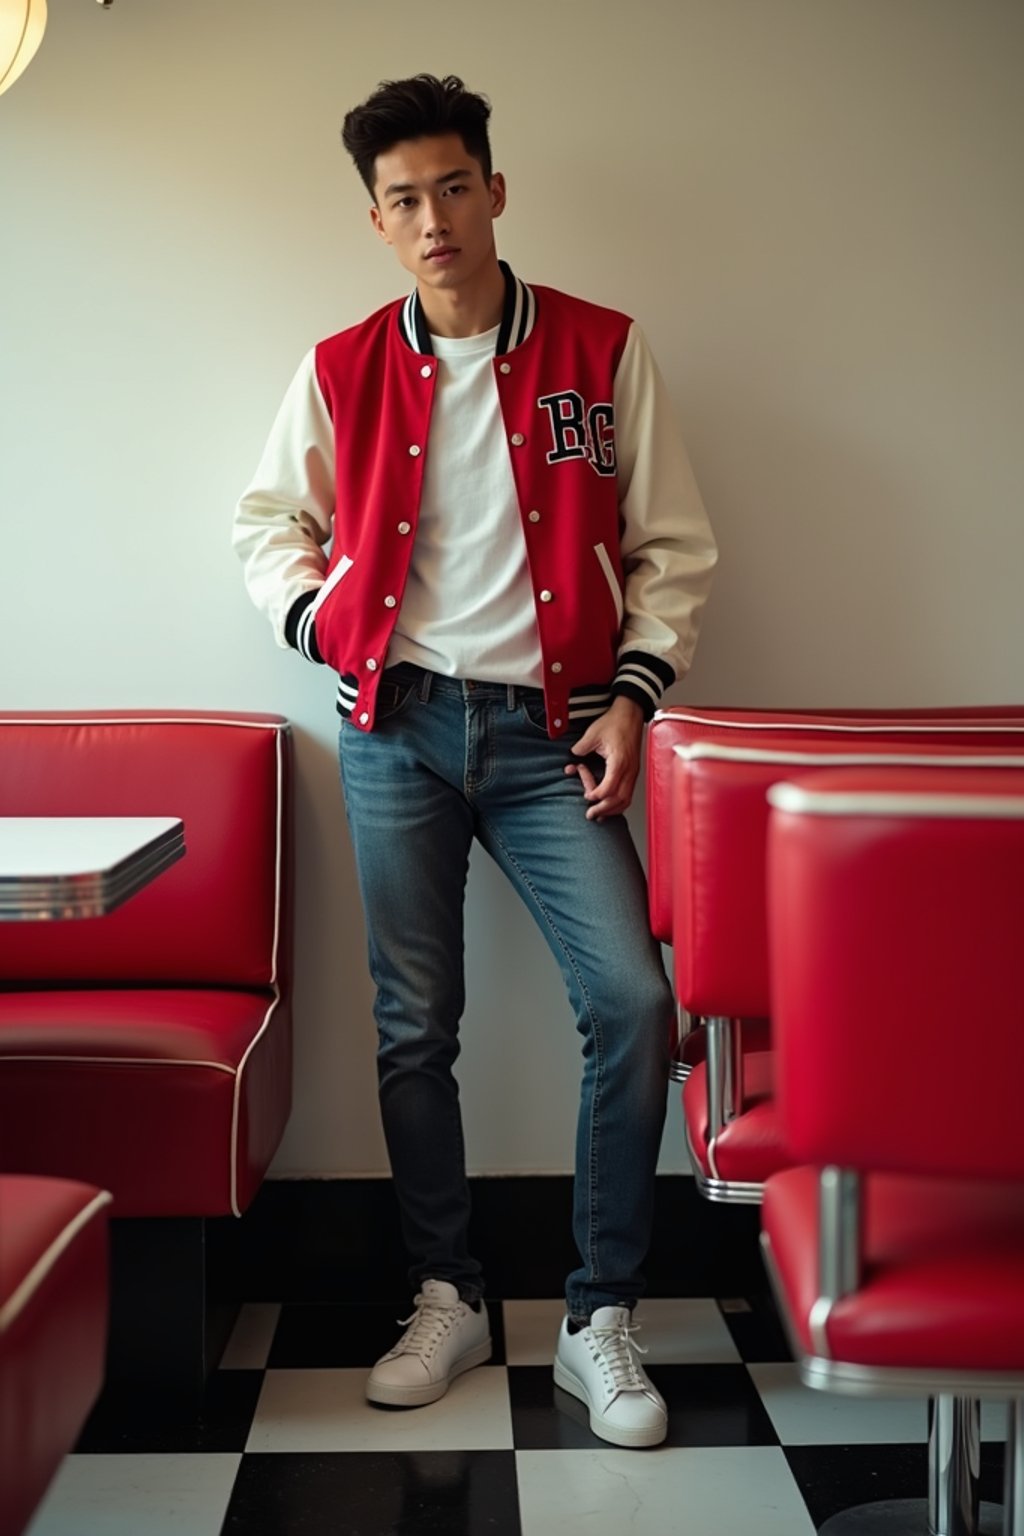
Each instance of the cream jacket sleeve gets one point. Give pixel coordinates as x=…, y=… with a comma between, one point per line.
x=668, y=549
x=285, y=516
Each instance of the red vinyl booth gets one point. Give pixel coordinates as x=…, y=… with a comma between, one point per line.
x=149, y=1052
x=53, y=1330
x=896, y=1249
x=708, y=774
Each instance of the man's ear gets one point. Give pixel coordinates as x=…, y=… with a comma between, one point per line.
x=499, y=195
x=378, y=224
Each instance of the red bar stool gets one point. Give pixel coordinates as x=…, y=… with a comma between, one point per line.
x=708, y=775
x=897, y=1251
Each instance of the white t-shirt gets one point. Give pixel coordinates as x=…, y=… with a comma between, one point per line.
x=467, y=609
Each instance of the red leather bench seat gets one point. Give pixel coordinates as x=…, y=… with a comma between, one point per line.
x=150, y=1051
x=943, y=1277
x=53, y=1330
x=750, y=1148
x=114, y=1076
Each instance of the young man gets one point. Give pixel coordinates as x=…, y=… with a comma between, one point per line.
x=519, y=558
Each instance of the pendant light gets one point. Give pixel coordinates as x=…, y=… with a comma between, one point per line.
x=22, y=24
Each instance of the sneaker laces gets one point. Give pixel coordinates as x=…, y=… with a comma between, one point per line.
x=430, y=1323
x=616, y=1351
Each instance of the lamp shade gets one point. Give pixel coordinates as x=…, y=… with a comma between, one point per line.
x=22, y=24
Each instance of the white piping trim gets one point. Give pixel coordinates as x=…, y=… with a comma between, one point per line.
x=236, y=1102
x=123, y=1061
x=248, y=725
x=696, y=751
x=277, y=864
x=15, y=1303
x=941, y=723
x=789, y=797
x=235, y=1107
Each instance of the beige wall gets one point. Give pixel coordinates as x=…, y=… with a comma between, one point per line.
x=814, y=206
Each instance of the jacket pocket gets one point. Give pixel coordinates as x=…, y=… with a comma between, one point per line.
x=604, y=560
x=343, y=566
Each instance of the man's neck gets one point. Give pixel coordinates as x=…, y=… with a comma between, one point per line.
x=469, y=310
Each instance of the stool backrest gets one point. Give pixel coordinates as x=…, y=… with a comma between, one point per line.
x=896, y=927
x=219, y=916
x=1001, y=725
x=719, y=816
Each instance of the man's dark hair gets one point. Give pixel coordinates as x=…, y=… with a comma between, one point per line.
x=415, y=109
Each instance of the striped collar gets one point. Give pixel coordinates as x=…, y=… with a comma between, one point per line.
x=518, y=316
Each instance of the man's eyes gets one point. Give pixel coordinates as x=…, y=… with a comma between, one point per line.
x=405, y=203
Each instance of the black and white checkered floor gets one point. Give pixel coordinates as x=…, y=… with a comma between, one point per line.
x=286, y=1446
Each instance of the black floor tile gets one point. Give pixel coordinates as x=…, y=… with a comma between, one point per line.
x=322, y=1337
x=543, y=1417
x=712, y=1405
x=426, y=1493
x=756, y=1329
x=707, y=1405
x=139, y=1419
x=836, y=1477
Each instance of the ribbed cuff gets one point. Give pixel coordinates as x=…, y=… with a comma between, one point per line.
x=299, y=629
x=644, y=678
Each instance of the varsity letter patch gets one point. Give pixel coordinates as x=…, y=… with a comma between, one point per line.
x=581, y=433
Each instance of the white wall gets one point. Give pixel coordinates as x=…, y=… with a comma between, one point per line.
x=814, y=206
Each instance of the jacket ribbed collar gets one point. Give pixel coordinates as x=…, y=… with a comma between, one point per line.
x=518, y=315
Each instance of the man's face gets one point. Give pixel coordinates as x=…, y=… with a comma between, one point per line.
x=435, y=208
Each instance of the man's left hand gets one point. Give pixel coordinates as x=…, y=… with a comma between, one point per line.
x=616, y=736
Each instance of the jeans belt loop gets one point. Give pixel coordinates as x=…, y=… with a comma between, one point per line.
x=425, y=681
x=511, y=695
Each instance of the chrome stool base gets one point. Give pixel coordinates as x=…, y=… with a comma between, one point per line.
x=904, y=1517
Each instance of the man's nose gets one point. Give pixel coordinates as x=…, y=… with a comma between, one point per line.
x=435, y=215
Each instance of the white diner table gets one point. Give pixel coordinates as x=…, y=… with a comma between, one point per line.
x=54, y=867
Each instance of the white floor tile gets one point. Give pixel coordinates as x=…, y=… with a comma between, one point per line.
x=804, y=1416
x=327, y=1411
x=690, y=1331
x=744, y=1491
x=249, y=1345
x=162, y=1495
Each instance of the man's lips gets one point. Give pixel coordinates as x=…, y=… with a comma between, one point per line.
x=442, y=252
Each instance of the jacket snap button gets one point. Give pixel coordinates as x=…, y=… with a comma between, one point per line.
x=546, y=596
x=556, y=666
x=505, y=367
x=390, y=602
x=363, y=718
x=371, y=665
x=518, y=439
x=414, y=449
x=404, y=527
x=534, y=517
x=558, y=725
x=426, y=371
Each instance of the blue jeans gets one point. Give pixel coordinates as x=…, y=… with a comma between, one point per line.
x=448, y=761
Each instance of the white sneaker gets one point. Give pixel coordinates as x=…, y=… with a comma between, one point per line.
x=446, y=1337
x=600, y=1366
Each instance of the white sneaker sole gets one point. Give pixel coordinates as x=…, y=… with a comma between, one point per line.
x=605, y=1429
x=418, y=1397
